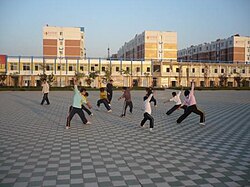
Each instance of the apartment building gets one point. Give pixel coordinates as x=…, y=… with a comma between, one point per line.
x=63, y=42
x=235, y=49
x=162, y=73
x=150, y=45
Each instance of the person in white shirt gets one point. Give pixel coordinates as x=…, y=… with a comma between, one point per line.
x=45, y=92
x=147, y=109
x=177, y=100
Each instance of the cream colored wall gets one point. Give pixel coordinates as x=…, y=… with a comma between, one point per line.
x=164, y=78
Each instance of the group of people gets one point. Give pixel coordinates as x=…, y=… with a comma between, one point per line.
x=80, y=100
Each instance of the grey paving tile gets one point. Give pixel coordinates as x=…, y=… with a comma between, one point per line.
x=37, y=150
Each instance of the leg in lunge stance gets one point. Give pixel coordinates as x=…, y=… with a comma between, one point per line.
x=147, y=116
x=175, y=107
x=201, y=114
x=183, y=116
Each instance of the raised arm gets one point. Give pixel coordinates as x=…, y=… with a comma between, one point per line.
x=192, y=86
x=75, y=85
x=149, y=97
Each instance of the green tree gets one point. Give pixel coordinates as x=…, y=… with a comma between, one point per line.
x=15, y=78
x=91, y=77
x=107, y=76
x=223, y=80
x=3, y=77
x=49, y=78
x=78, y=76
x=238, y=79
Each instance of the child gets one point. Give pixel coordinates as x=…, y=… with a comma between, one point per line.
x=103, y=99
x=45, y=92
x=147, y=109
x=127, y=100
x=177, y=100
x=77, y=106
x=88, y=104
x=84, y=108
x=190, y=101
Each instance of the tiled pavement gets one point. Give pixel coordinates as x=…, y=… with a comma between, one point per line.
x=37, y=150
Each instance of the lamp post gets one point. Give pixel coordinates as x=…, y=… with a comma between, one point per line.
x=60, y=65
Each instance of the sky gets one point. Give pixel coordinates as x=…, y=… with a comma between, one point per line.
x=111, y=23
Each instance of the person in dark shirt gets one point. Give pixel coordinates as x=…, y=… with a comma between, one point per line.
x=109, y=89
x=127, y=100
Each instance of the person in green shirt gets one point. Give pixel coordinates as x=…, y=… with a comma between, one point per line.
x=78, y=99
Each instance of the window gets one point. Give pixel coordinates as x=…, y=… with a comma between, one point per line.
x=157, y=68
x=13, y=66
x=234, y=70
x=36, y=67
x=92, y=68
x=215, y=70
x=117, y=69
x=127, y=68
x=167, y=69
x=61, y=33
x=26, y=67
x=49, y=67
x=193, y=70
x=58, y=68
x=202, y=70
x=103, y=68
x=243, y=71
x=81, y=68
x=137, y=69
x=148, y=69
x=222, y=70
x=70, y=68
x=177, y=70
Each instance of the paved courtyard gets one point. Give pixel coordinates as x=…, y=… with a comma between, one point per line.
x=37, y=150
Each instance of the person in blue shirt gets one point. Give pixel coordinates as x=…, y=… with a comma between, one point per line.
x=78, y=100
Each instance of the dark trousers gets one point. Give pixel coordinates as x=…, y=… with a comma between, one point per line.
x=83, y=108
x=147, y=116
x=130, y=104
x=45, y=98
x=153, y=100
x=86, y=109
x=74, y=111
x=105, y=102
x=175, y=107
x=110, y=95
x=188, y=111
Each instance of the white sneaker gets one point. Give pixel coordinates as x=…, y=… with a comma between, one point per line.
x=67, y=127
x=109, y=104
x=88, y=123
x=202, y=124
x=151, y=129
x=91, y=114
x=110, y=110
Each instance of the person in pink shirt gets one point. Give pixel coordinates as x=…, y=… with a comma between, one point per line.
x=190, y=102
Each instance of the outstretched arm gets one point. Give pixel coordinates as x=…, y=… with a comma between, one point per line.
x=75, y=85
x=192, y=86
